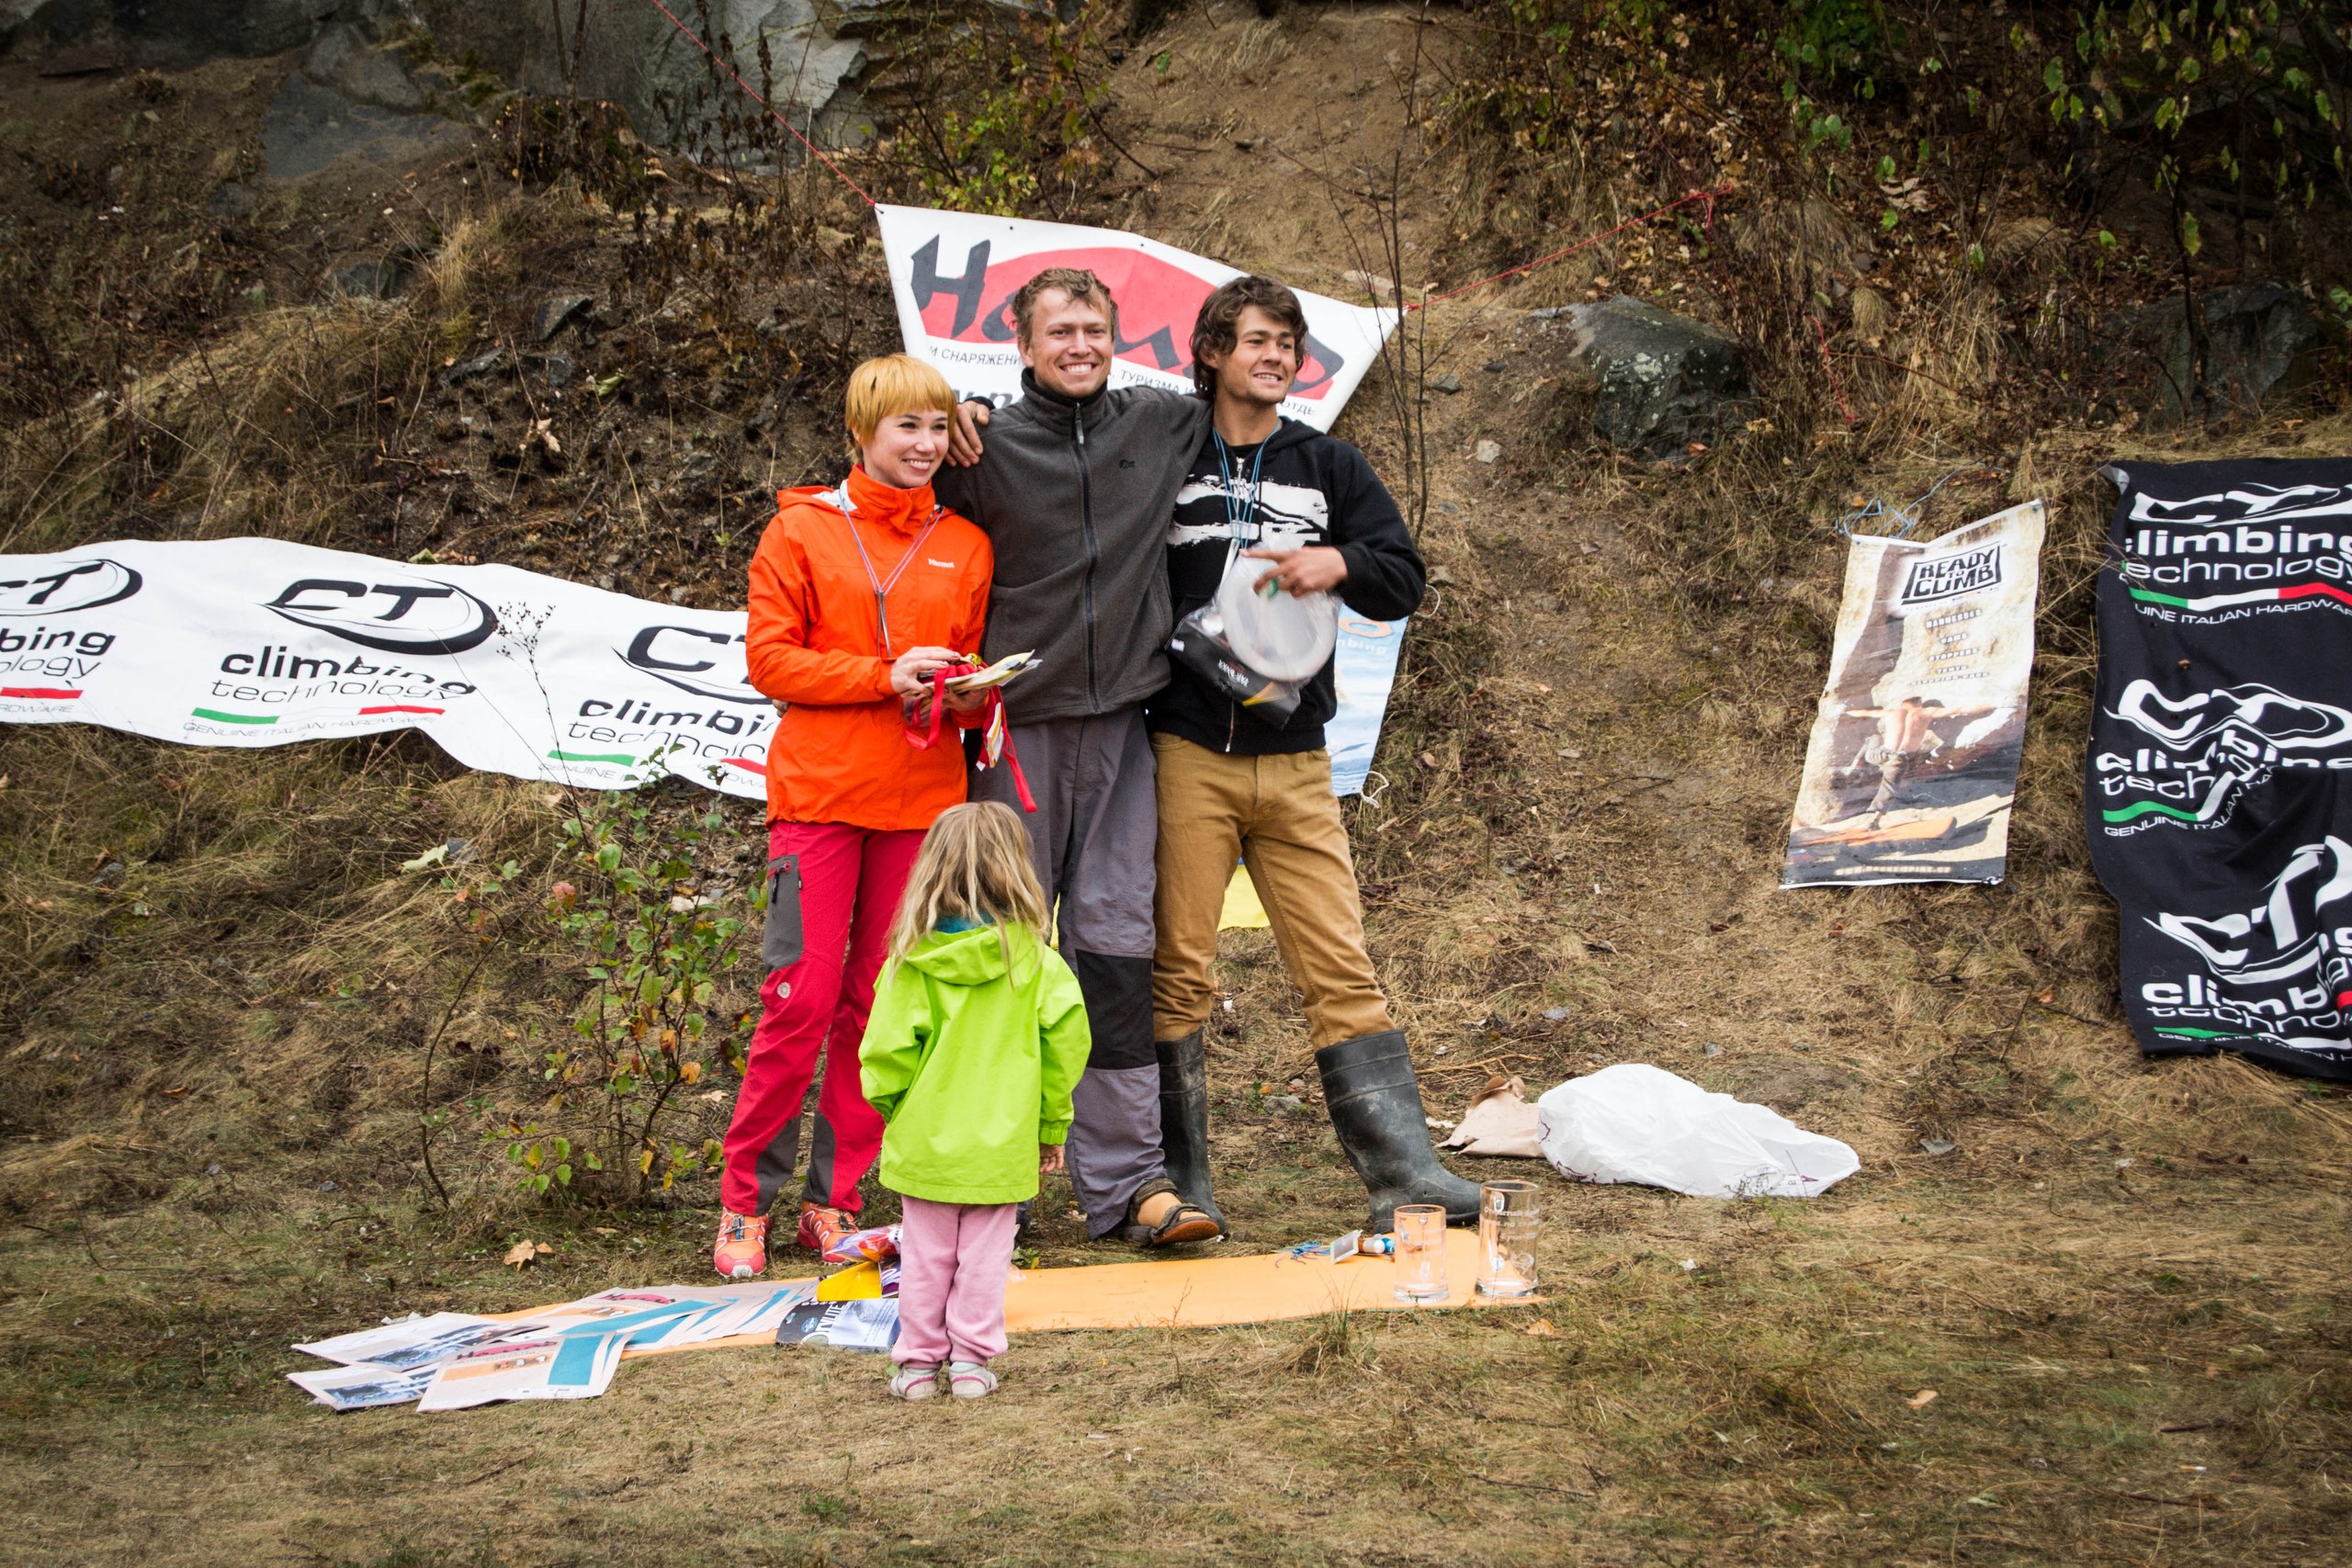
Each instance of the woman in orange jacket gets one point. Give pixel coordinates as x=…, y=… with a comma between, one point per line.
x=859, y=595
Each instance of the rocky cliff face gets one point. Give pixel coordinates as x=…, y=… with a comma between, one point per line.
x=623, y=50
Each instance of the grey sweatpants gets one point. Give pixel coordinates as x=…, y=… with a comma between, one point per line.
x=1091, y=842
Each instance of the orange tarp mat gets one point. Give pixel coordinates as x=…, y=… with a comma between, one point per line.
x=1206, y=1291
x=1189, y=1293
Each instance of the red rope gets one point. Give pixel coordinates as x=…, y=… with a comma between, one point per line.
x=813, y=150
x=1821, y=336
x=1707, y=195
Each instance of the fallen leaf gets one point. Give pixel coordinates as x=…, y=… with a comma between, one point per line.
x=1922, y=1399
x=522, y=1254
x=605, y=1230
x=429, y=858
x=1542, y=1329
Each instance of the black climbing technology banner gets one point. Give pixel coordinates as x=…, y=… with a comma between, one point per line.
x=2218, y=786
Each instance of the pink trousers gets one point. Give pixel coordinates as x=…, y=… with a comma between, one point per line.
x=850, y=882
x=951, y=1263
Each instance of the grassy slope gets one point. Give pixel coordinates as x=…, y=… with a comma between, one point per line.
x=1578, y=756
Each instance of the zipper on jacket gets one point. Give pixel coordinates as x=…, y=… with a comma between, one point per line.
x=1086, y=526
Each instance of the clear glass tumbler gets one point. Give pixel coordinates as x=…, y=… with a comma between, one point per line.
x=1420, y=1252
x=1508, y=1216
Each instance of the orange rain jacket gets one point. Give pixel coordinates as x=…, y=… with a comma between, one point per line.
x=840, y=753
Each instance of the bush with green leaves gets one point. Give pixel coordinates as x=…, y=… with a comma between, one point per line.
x=658, y=944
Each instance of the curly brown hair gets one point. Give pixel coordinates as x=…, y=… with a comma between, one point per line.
x=1074, y=281
x=1215, y=328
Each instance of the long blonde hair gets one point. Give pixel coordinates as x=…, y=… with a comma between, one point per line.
x=974, y=866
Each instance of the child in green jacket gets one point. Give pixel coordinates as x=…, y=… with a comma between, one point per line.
x=977, y=1036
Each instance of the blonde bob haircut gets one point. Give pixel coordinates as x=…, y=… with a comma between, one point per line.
x=973, y=867
x=892, y=384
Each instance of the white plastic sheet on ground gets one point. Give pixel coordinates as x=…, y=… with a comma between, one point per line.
x=1639, y=1123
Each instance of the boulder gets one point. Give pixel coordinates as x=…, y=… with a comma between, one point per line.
x=556, y=312
x=628, y=52
x=169, y=32
x=1662, y=380
x=343, y=60
x=307, y=127
x=2260, y=342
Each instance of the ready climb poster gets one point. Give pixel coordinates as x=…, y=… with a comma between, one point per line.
x=2217, y=787
x=1912, y=766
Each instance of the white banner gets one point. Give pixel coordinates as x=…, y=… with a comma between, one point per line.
x=257, y=642
x=955, y=275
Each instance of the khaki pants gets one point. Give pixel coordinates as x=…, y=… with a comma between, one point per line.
x=1279, y=816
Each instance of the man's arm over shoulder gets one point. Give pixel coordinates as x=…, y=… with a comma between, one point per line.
x=1386, y=575
x=1178, y=417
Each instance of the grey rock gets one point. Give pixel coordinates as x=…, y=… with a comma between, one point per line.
x=1937, y=1146
x=558, y=369
x=343, y=60
x=1449, y=382
x=371, y=279
x=2262, y=343
x=628, y=52
x=556, y=312
x=480, y=364
x=1663, y=380
x=171, y=33
x=232, y=202
x=309, y=127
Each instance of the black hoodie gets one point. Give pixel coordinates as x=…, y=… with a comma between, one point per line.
x=1312, y=490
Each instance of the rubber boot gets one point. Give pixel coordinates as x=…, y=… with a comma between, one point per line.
x=1376, y=1105
x=1184, y=1121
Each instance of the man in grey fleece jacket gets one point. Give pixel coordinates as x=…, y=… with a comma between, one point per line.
x=1074, y=489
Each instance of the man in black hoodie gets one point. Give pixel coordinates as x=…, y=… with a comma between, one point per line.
x=1233, y=785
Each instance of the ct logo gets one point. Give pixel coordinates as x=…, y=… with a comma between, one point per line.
x=411, y=614
x=68, y=585
x=706, y=663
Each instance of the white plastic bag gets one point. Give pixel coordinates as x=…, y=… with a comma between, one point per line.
x=1280, y=637
x=1636, y=1122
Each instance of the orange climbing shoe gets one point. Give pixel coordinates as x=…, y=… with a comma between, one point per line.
x=742, y=1249
x=820, y=1226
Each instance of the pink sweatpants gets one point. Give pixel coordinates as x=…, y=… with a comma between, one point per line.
x=952, y=1264
x=850, y=882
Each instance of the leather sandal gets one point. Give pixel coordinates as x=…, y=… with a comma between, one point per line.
x=1186, y=1221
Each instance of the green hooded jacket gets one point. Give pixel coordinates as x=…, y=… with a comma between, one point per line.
x=971, y=1065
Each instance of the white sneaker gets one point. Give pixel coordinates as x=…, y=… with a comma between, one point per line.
x=915, y=1381
x=970, y=1380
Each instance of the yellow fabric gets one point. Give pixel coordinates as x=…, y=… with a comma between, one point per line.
x=859, y=1282
x=1242, y=910
x=1192, y=1293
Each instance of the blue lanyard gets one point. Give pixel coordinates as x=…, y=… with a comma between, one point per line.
x=1240, y=511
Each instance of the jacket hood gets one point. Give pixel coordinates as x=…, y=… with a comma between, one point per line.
x=973, y=957
x=1288, y=432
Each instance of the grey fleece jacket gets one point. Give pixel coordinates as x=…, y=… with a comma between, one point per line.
x=1076, y=498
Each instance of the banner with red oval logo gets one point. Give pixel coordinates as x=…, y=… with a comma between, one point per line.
x=955, y=275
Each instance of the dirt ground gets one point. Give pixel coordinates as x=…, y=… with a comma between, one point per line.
x=2105, y=1325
